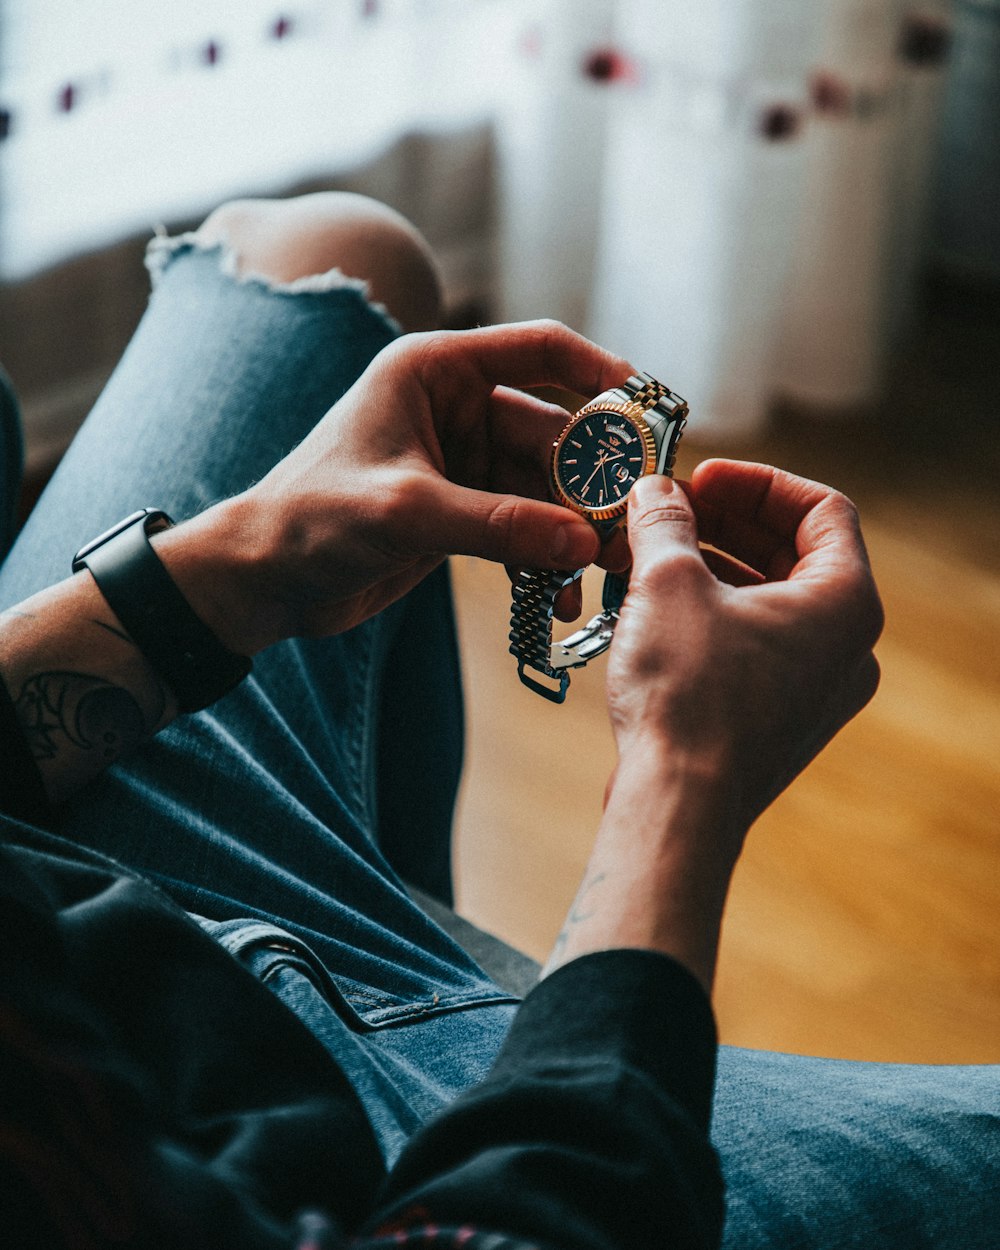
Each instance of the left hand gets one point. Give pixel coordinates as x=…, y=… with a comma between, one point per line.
x=769, y=650
x=430, y=453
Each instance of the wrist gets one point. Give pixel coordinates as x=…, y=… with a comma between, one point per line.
x=660, y=869
x=681, y=791
x=223, y=564
x=673, y=816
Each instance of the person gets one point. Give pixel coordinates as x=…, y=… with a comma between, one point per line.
x=224, y=1019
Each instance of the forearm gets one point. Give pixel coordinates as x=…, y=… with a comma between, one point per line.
x=659, y=872
x=83, y=693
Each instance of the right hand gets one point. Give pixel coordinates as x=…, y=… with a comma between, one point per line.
x=741, y=670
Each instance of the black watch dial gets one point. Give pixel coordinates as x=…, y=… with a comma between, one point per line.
x=599, y=457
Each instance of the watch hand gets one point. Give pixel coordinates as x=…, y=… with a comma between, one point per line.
x=600, y=463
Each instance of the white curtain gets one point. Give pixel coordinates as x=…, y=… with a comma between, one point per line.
x=124, y=113
x=744, y=186
x=732, y=193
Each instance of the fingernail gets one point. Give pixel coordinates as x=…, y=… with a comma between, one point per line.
x=664, y=486
x=567, y=545
x=560, y=544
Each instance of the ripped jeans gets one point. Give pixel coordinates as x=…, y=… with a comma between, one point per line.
x=288, y=815
x=279, y=808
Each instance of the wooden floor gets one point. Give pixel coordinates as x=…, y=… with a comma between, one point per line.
x=864, y=919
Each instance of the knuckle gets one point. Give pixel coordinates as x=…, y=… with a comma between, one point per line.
x=551, y=328
x=502, y=521
x=430, y=354
x=667, y=512
x=845, y=510
x=554, y=337
x=401, y=502
x=671, y=570
x=401, y=353
x=848, y=510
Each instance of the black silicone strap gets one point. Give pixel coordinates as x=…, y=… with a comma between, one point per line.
x=157, y=617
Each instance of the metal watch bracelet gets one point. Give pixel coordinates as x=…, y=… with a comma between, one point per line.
x=536, y=590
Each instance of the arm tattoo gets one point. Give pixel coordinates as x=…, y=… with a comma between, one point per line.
x=60, y=709
x=577, y=914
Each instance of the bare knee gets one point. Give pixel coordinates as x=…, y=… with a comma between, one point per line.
x=283, y=240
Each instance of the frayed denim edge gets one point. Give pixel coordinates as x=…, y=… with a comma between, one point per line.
x=163, y=248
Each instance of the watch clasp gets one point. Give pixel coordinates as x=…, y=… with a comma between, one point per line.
x=547, y=692
x=595, y=637
x=579, y=648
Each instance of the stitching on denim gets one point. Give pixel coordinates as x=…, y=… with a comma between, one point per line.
x=368, y=703
x=422, y=1009
x=359, y=996
x=360, y=737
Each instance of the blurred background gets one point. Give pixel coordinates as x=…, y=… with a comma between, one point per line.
x=791, y=213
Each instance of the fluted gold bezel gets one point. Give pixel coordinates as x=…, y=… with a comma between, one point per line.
x=636, y=414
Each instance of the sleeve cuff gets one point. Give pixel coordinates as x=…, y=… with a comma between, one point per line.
x=643, y=1009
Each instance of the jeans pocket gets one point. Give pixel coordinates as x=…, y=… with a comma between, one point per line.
x=280, y=960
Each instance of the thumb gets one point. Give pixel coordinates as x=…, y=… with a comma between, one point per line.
x=661, y=522
x=510, y=529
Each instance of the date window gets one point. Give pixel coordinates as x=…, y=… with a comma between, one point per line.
x=622, y=473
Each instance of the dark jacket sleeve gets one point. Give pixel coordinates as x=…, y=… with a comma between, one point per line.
x=591, y=1131
x=22, y=793
x=152, y=1094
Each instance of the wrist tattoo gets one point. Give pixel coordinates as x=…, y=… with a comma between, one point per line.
x=578, y=913
x=62, y=710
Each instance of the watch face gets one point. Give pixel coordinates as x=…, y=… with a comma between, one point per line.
x=600, y=456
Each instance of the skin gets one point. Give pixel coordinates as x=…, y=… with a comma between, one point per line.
x=436, y=450
x=727, y=675
x=433, y=451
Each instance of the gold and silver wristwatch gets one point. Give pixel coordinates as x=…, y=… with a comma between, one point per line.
x=605, y=448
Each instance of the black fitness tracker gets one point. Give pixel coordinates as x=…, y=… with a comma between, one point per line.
x=137, y=587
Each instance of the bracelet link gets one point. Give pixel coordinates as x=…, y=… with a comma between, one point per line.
x=533, y=601
x=534, y=593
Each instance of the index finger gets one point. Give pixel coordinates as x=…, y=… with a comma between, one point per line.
x=794, y=531
x=771, y=519
x=531, y=353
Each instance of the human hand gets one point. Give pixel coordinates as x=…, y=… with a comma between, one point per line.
x=729, y=670
x=741, y=666
x=431, y=452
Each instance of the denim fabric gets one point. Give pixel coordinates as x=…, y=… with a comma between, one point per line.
x=403, y=1075
x=274, y=815
x=832, y=1153
x=265, y=806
